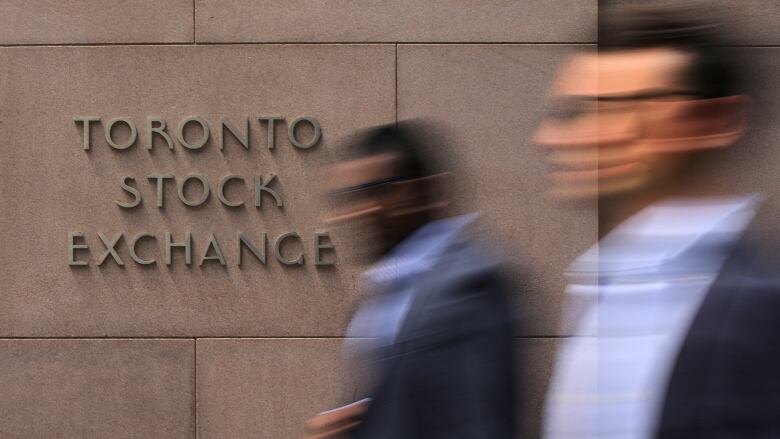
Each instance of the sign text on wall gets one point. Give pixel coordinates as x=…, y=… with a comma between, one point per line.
x=244, y=244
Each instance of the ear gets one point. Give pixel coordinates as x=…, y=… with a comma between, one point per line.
x=703, y=124
x=729, y=121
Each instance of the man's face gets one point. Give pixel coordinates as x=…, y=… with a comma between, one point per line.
x=625, y=120
x=377, y=205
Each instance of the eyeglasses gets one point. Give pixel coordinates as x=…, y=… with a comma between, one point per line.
x=359, y=192
x=570, y=107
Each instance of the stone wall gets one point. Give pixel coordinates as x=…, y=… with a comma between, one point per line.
x=250, y=351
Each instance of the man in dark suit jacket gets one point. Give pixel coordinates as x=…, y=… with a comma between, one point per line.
x=678, y=337
x=726, y=379
x=438, y=319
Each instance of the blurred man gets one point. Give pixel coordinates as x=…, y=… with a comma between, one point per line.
x=438, y=318
x=680, y=335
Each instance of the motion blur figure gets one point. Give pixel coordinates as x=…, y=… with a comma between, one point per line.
x=677, y=332
x=438, y=315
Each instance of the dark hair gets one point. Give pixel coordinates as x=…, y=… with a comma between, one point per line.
x=713, y=73
x=404, y=140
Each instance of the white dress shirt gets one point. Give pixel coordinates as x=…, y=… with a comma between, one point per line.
x=641, y=286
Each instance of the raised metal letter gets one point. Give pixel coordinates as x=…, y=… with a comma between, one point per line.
x=314, y=139
x=86, y=120
x=72, y=247
x=318, y=245
x=134, y=243
x=262, y=186
x=217, y=251
x=204, y=196
x=204, y=126
x=110, y=139
x=278, y=249
x=244, y=241
x=270, y=123
x=159, y=130
x=126, y=180
x=221, y=191
x=160, y=183
x=110, y=250
x=187, y=245
x=243, y=140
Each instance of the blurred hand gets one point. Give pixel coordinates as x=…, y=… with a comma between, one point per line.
x=331, y=423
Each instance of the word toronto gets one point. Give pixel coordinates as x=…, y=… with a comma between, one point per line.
x=158, y=127
x=213, y=250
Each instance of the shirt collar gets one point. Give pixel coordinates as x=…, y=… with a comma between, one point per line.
x=668, y=229
x=419, y=251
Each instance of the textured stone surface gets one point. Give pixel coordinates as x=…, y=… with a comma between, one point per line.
x=51, y=186
x=490, y=94
x=264, y=388
x=95, y=21
x=97, y=388
x=397, y=21
x=490, y=97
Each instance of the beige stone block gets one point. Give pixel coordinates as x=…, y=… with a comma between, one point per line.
x=397, y=21
x=266, y=388
x=95, y=21
x=491, y=98
x=51, y=186
x=97, y=388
